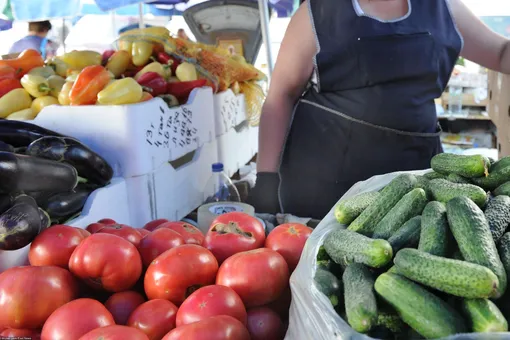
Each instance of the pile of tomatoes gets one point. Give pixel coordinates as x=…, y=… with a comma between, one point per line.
x=164, y=281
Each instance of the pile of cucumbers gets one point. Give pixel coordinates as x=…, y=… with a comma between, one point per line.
x=425, y=257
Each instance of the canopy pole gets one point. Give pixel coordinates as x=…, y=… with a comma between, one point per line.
x=140, y=15
x=264, y=25
x=63, y=33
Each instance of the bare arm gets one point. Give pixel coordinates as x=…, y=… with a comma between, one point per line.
x=481, y=44
x=292, y=71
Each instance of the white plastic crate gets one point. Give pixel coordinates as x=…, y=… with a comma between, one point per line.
x=137, y=139
x=107, y=202
x=229, y=111
x=237, y=147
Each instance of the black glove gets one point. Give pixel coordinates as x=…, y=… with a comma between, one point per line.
x=264, y=196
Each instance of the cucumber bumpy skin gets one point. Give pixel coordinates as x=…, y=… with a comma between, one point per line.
x=427, y=314
x=346, y=247
x=435, y=237
x=471, y=231
x=503, y=189
x=484, y=316
x=504, y=252
x=407, y=236
x=390, y=195
x=466, y=166
x=494, y=180
x=443, y=191
x=328, y=284
x=458, y=278
x=498, y=215
x=348, y=209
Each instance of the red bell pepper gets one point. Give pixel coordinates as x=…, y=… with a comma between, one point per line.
x=7, y=72
x=153, y=83
x=182, y=89
x=7, y=85
x=166, y=59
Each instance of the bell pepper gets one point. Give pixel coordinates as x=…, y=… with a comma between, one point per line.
x=120, y=92
x=26, y=114
x=146, y=96
x=7, y=85
x=78, y=60
x=183, y=89
x=63, y=96
x=43, y=71
x=167, y=59
x=37, y=86
x=88, y=84
x=59, y=66
x=7, y=72
x=118, y=63
x=186, y=72
x=16, y=100
x=56, y=83
x=153, y=83
x=40, y=103
x=141, y=52
x=27, y=60
x=170, y=100
x=125, y=45
x=105, y=56
x=162, y=70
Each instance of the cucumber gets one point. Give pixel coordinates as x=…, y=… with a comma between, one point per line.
x=345, y=247
x=497, y=214
x=484, y=316
x=467, y=166
x=435, y=237
x=409, y=206
x=423, y=183
x=503, y=189
x=434, y=175
x=504, y=251
x=407, y=236
x=454, y=178
x=454, y=277
x=390, y=195
x=471, y=231
x=393, y=322
x=443, y=191
x=502, y=163
x=328, y=284
x=359, y=297
x=494, y=180
x=348, y=209
x=427, y=314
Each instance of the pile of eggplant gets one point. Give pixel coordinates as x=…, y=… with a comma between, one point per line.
x=45, y=179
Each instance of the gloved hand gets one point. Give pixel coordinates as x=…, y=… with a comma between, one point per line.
x=264, y=196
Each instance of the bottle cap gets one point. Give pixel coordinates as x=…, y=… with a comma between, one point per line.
x=217, y=167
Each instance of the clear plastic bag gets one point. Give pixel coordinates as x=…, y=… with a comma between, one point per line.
x=311, y=314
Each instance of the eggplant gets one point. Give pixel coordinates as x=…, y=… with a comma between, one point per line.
x=66, y=204
x=18, y=133
x=89, y=164
x=5, y=202
x=28, y=174
x=20, y=224
x=45, y=219
x=6, y=147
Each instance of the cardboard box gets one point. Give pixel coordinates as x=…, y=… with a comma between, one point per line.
x=499, y=109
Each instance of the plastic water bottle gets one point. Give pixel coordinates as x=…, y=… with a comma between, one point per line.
x=219, y=187
x=455, y=104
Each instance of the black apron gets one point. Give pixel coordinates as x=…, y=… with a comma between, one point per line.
x=372, y=108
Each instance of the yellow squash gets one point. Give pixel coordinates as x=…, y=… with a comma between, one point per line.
x=26, y=114
x=40, y=103
x=78, y=60
x=37, y=86
x=120, y=92
x=15, y=100
x=56, y=83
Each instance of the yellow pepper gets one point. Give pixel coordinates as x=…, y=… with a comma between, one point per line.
x=59, y=66
x=126, y=45
x=26, y=114
x=63, y=96
x=78, y=60
x=43, y=71
x=118, y=63
x=15, y=100
x=40, y=103
x=36, y=86
x=164, y=71
x=120, y=92
x=186, y=72
x=56, y=83
x=141, y=51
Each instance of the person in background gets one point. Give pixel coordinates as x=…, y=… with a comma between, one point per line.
x=181, y=33
x=352, y=95
x=36, y=40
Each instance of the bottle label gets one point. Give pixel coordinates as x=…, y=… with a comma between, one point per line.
x=220, y=209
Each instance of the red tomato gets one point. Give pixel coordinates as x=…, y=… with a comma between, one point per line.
x=143, y=232
x=289, y=240
x=107, y=221
x=54, y=246
x=106, y=261
x=75, y=319
x=126, y=232
x=176, y=273
x=28, y=295
x=150, y=226
x=221, y=327
x=20, y=334
x=84, y=232
x=211, y=301
x=115, y=332
x=233, y=233
x=264, y=324
x=122, y=304
x=191, y=234
x=259, y=276
x=95, y=227
x=155, y=318
x=157, y=242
